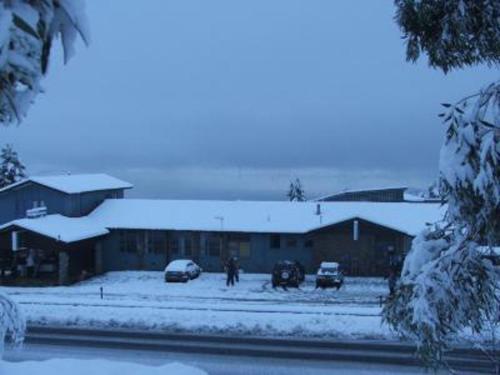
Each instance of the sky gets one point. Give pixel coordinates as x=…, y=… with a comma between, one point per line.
x=225, y=99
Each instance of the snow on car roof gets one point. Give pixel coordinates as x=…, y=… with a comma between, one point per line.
x=329, y=265
x=259, y=217
x=73, y=184
x=178, y=265
x=61, y=228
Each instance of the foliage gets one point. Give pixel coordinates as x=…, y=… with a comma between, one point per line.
x=453, y=33
x=296, y=191
x=11, y=168
x=12, y=322
x=446, y=284
x=27, y=30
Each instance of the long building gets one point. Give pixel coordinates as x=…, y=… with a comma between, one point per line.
x=81, y=225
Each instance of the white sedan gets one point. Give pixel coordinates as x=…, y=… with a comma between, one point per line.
x=182, y=270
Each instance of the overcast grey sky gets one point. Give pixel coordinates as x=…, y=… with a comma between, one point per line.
x=231, y=99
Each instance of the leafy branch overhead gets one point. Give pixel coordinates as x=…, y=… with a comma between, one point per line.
x=27, y=31
x=447, y=284
x=453, y=33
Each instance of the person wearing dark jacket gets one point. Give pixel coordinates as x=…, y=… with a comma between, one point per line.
x=236, y=270
x=231, y=271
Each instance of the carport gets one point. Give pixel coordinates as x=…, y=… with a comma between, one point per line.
x=49, y=250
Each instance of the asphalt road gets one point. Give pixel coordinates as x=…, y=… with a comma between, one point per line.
x=235, y=355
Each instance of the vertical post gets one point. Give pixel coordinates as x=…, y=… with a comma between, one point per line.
x=15, y=241
x=63, y=268
x=355, y=230
x=101, y=289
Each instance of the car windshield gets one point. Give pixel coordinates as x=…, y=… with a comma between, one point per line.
x=330, y=270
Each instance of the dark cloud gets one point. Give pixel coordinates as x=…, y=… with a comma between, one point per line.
x=232, y=99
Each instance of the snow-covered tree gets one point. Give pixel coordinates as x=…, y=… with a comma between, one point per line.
x=27, y=30
x=446, y=284
x=453, y=33
x=12, y=322
x=11, y=168
x=296, y=191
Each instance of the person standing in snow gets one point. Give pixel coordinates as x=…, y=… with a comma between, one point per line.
x=236, y=270
x=231, y=271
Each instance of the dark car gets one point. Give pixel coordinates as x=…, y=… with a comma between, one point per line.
x=182, y=270
x=287, y=273
x=329, y=276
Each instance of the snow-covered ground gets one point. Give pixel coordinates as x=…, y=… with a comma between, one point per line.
x=94, y=367
x=142, y=300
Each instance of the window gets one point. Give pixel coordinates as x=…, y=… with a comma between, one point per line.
x=214, y=246
x=275, y=241
x=123, y=245
x=156, y=242
x=131, y=242
x=309, y=242
x=173, y=245
x=244, y=249
x=128, y=242
x=291, y=242
x=188, y=247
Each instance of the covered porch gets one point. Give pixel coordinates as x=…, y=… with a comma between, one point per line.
x=33, y=253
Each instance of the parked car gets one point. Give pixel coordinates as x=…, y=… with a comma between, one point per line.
x=329, y=275
x=286, y=273
x=182, y=270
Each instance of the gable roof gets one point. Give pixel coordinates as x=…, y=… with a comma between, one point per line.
x=259, y=217
x=60, y=228
x=74, y=184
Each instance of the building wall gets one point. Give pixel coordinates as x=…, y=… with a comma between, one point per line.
x=135, y=250
x=14, y=202
x=371, y=254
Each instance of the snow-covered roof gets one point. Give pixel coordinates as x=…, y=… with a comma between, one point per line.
x=258, y=217
x=61, y=228
x=77, y=183
x=363, y=190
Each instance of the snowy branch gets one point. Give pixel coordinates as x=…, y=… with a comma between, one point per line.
x=447, y=285
x=27, y=29
x=12, y=322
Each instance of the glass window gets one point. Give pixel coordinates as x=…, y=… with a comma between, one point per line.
x=132, y=238
x=214, y=246
x=291, y=242
x=275, y=241
x=156, y=242
x=308, y=242
x=123, y=242
x=188, y=247
x=244, y=249
x=173, y=245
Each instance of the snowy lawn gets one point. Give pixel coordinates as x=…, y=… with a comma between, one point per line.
x=94, y=367
x=142, y=300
